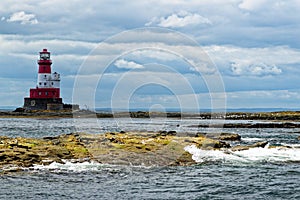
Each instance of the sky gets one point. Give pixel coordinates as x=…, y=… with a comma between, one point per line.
x=155, y=54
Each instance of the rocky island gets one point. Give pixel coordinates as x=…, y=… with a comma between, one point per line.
x=133, y=148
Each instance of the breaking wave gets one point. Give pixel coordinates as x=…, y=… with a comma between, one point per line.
x=270, y=155
x=88, y=166
x=70, y=166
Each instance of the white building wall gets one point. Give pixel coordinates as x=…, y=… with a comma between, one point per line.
x=43, y=80
x=48, y=80
x=55, y=84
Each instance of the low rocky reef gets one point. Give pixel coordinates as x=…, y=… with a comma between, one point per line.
x=120, y=148
x=279, y=116
x=250, y=125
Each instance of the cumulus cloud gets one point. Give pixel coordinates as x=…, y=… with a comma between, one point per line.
x=253, y=61
x=180, y=19
x=257, y=69
x=23, y=18
x=124, y=64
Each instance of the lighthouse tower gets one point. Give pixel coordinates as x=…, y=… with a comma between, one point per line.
x=46, y=95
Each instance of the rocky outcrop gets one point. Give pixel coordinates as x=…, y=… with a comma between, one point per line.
x=24, y=152
x=135, y=148
x=221, y=136
x=255, y=145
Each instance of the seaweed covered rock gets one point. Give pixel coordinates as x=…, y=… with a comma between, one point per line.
x=133, y=148
x=26, y=152
x=220, y=136
x=130, y=148
x=230, y=136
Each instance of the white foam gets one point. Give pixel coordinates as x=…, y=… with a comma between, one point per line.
x=69, y=166
x=279, y=154
x=252, y=139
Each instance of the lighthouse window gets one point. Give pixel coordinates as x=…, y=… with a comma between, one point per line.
x=44, y=56
x=45, y=83
x=40, y=83
x=52, y=83
x=45, y=76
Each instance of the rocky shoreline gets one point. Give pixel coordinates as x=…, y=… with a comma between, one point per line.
x=286, y=119
x=120, y=148
x=277, y=116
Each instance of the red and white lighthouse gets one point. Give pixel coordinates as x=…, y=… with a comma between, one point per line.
x=47, y=84
x=46, y=95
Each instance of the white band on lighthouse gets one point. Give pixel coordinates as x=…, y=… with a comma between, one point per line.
x=47, y=80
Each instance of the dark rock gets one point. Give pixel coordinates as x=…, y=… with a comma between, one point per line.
x=214, y=144
x=255, y=145
x=50, y=138
x=200, y=134
x=259, y=144
x=162, y=133
x=171, y=133
x=230, y=136
x=240, y=148
x=20, y=109
x=221, y=144
x=165, y=133
x=185, y=159
x=221, y=136
x=23, y=146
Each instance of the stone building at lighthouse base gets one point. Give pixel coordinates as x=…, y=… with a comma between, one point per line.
x=43, y=104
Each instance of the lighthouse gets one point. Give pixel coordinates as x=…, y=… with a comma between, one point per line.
x=46, y=94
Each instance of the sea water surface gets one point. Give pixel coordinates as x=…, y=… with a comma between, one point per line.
x=258, y=173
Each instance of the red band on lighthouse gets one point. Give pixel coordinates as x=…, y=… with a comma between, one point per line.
x=45, y=62
x=44, y=69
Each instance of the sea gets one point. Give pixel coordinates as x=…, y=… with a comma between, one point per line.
x=257, y=173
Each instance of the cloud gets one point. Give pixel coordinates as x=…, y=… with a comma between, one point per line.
x=180, y=19
x=124, y=64
x=23, y=18
x=264, y=99
x=155, y=54
x=252, y=4
x=258, y=69
x=234, y=60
